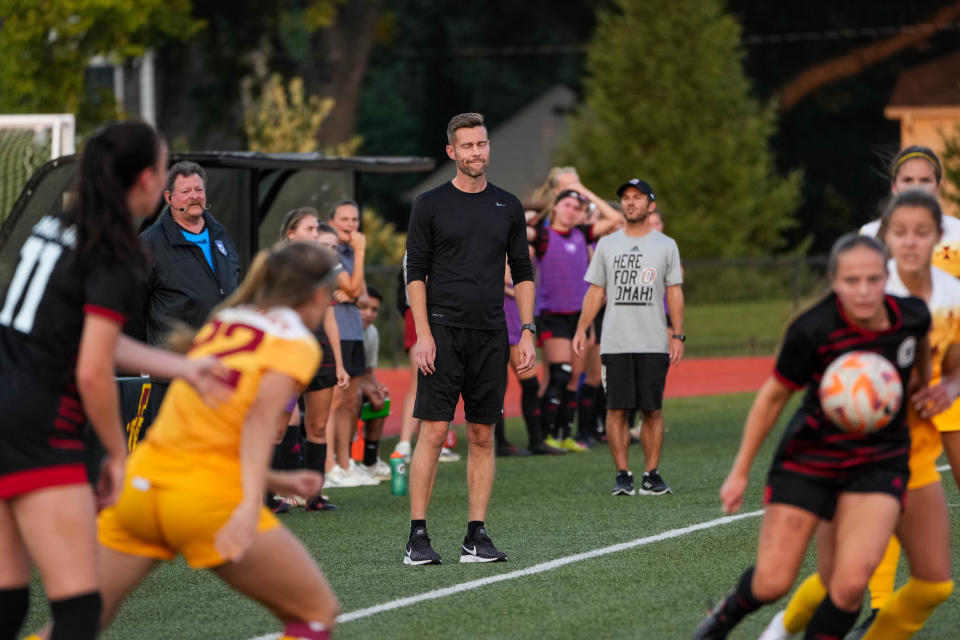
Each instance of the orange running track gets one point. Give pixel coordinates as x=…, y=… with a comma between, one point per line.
x=695, y=377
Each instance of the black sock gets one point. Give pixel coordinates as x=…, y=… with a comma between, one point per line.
x=565, y=424
x=530, y=406
x=548, y=416
x=290, y=450
x=418, y=524
x=499, y=433
x=76, y=618
x=314, y=456
x=371, y=451
x=829, y=622
x=14, y=604
x=739, y=603
x=472, y=527
x=586, y=414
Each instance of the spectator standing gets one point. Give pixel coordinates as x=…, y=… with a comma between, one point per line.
x=459, y=235
x=194, y=263
x=632, y=268
x=372, y=390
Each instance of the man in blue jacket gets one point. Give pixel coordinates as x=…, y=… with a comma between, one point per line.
x=194, y=263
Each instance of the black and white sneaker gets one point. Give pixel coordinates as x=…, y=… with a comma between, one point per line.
x=419, y=551
x=653, y=485
x=861, y=629
x=624, y=484
x=713, y=626
x=480, y=548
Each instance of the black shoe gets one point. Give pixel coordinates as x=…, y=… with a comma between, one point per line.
x=861, y=629
x=319, y=503
x=624, y=484
x=543, y=449
x=511, y=451
x=653, y=485
x=419, y=551
x=480, y=548
x=277, y=505
x=711, y=627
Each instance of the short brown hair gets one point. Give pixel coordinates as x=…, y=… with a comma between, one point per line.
x=184, y=168
x=463, y=121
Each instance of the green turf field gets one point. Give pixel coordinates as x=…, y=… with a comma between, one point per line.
x=542, y=510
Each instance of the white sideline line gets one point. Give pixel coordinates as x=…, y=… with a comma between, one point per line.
x=529, y=571
x=537, y=568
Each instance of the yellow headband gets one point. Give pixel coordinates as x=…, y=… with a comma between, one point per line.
x=918, y=154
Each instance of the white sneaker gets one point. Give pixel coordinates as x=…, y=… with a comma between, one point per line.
x=635, y=432
x=339, y=478
x=775, y=630
x=403, y=448
x=363, y=478
x=447, y=455
x=378, y=469
x=296, y=501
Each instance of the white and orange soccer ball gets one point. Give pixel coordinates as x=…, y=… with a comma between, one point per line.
x=861, y=392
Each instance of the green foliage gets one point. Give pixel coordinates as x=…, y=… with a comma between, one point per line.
x=46, y=46
x=951, y=166
x=667, y=100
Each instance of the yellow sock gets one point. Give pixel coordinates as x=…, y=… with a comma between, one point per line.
x=908, y=609
x=33, y=637
x=804, y=602
x=884, y=576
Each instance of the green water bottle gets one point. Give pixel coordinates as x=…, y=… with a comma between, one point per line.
x=398, y=475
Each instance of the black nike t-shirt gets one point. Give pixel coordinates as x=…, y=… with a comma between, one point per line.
x=456, y=243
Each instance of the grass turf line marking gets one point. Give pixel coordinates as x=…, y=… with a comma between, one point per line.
x=529, y=571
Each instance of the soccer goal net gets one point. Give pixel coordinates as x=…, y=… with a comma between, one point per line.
x=26, y=142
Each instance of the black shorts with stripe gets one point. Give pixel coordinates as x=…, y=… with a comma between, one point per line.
x=634, y=380
x=326, y=376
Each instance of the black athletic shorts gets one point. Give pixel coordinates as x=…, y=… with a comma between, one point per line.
x=326, y=375
x=35, y=459
x=818, y=494
x=471, y=363
x=354, y=360
x=598, y=322
x=558, y=325
x=634, y=380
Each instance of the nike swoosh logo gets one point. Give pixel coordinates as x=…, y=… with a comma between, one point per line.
x=501, y=205
x=472, y=552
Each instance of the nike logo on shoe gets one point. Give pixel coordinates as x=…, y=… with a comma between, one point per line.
x=472, y=552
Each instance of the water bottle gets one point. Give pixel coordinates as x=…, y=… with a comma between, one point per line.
x=398, y=475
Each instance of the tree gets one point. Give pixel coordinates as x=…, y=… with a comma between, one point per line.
x=951, y=166
x=47, y=46
x=666, y=99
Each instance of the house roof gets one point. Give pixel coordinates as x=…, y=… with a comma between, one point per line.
x=521, y=148
x=934, y=83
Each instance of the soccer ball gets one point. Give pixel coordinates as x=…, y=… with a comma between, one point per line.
x=861, y=392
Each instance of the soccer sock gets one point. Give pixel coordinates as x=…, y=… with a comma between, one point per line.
x=76, y=618
x=569, y=413
x=829, y=622
x=499, y=433
x=739, y=603
x=908, y=609
x=883, y=578
x=290, y=450
x=548, y=415
x=14, y=604
x=586, y=414
x=804, y=602
x=530, y=406
x=305, y=631
x=417, y=524
x=314, y=455
x=371, y=451
x=472, y=527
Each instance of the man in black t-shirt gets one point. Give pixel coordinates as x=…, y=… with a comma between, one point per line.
x=459, y=234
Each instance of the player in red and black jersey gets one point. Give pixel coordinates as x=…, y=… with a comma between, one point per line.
x=59, y=338
x=820, y=471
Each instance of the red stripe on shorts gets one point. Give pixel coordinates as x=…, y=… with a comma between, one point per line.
x=21, y=482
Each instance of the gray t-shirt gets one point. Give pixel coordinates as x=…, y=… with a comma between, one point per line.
x=371, y=346
x=635, y=273
x=348, y=317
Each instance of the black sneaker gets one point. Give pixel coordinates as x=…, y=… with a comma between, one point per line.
x=319, y=503
x=480, y=548
x=543, y=449
x=419, y=550
x=861, y=629
x=508, y=450
x=277, y=505
x=624, y=484
x=653, y=485
x=712, y=627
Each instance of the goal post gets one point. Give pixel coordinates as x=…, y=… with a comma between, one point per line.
x=26, y=143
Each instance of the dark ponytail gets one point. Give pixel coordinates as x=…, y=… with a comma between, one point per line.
x=112, y=160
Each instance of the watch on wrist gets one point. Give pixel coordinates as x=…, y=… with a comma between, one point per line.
x=682, y=337
x=530, y=326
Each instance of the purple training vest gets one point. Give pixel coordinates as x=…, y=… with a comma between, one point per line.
x=561, y=287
